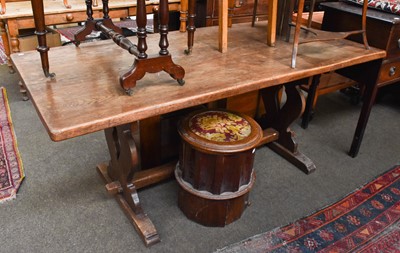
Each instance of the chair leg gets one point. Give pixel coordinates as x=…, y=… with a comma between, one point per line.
x=288, y=18
x=272, y=22
x=297, y=32
x=253, y=20
x=364, y=24
x=310, y=14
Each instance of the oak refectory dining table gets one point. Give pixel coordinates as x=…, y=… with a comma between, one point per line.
x=85, y=96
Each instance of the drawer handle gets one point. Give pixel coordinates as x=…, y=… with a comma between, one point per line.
x=69, y=17
x=238, y=3
x=392, y=71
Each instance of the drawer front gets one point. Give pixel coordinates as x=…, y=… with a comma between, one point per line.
x=70, y=17
x=240, y=11
x=81, y=16
x=390, y=72
x=152, y=8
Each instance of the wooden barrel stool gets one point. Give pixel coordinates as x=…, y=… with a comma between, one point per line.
x=215, y=170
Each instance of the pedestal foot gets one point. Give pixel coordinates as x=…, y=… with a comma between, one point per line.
x=140, y=220
x=297, y=159
x=151, y=65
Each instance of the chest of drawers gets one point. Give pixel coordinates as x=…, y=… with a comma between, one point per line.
x=383, y=31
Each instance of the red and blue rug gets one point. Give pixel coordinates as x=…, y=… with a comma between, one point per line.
x=11, y=169
x=366, y=220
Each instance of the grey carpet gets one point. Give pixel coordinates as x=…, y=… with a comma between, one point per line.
x=62, y=205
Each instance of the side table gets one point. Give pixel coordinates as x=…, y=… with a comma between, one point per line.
x=383, y=31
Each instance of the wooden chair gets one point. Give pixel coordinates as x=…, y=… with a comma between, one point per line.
x=326, y=83
x=223, y=25
x=286, y=10
x=272, y=20
x=319, y=35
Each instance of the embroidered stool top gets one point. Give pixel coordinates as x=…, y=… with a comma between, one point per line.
x=220, y=131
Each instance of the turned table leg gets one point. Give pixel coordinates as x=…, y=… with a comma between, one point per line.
x=280, y=119
x=272, y=19
x=191, y=28
x=183, y=15
x=38, y=15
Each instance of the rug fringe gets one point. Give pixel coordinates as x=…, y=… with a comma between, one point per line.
x=9, y=198
x=17, y=183
x=15, y=141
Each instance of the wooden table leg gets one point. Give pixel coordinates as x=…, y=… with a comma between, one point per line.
x=183, y=15
x=223, y=26
x=369, y=98
x=38, y=15
x=366, y=74
x=280, y=118
x=272, y=18
x=191, y=28
x=3, y=6
x=297, y=30
x=310, y=101
x=13, y=35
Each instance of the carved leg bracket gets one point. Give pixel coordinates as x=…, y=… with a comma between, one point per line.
x=90, y=25
x=280, y=118
x=151, y=65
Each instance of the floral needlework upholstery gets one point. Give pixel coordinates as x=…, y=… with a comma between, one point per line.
x=392, y=6
x=220, y=126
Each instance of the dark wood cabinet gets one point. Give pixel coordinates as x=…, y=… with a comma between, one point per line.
x=239, y=11
x=383, y=31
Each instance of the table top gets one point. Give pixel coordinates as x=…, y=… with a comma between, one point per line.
x=24, y=8
x=86, y=95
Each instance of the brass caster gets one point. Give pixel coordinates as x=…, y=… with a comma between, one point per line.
x=181, y=82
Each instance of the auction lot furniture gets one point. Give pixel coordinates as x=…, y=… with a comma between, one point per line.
x=19, y=16
x=215, y=171
x=86, y=97
x=383, y=31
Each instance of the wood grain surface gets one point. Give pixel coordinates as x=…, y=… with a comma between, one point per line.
x=86, y=96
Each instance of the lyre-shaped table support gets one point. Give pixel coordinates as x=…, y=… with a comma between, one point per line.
x=123, y=178
x=280, y=119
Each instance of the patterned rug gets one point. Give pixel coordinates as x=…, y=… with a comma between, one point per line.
x=367, y=220
x=3, y=57
x=11, y=169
